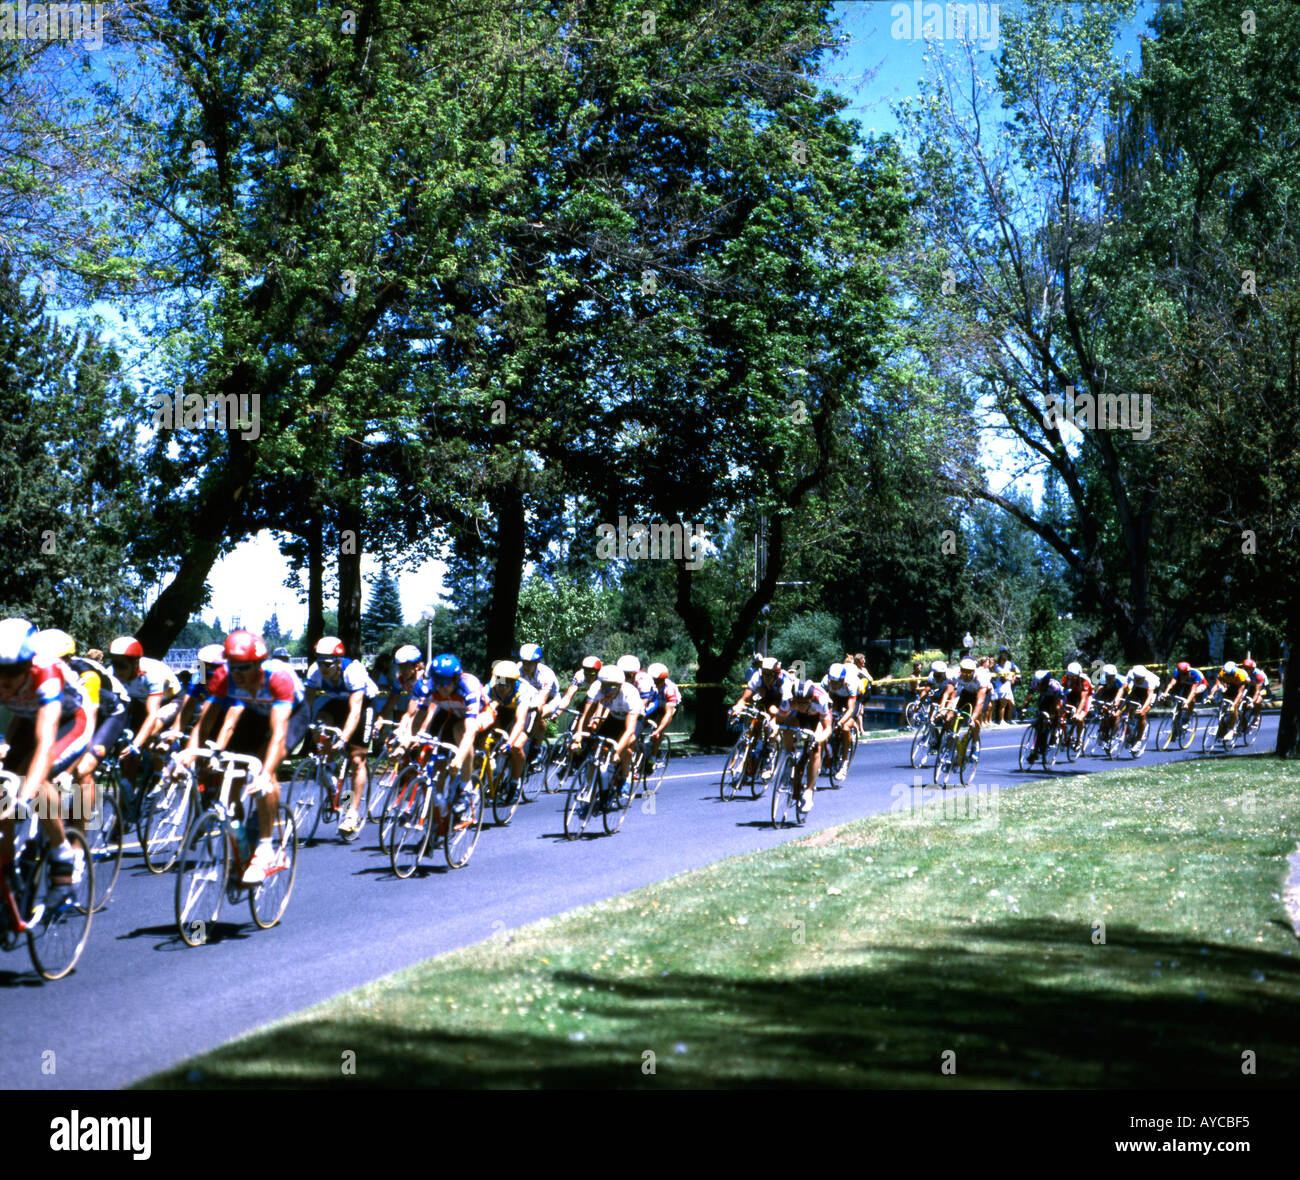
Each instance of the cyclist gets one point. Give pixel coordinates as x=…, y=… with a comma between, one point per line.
x=968, y=691
x=1051, y=700
x=349, y=705
x=807, y=707
x=546, y=686
x=663, y=704
x=1232, y=683
x=453, y=703
x=1189, y=681
x=406, y=679
x=1139, y=688
x=1078, y=698
x=841, y=685
x=864, y=689
x=1256, y=686
x=51, y=722
x=211, y=656
x=769, y=689
x=154, y=691
x=1109, y=682
x=630, y=666
x=108, y=700
x=582, y=681
x=262, y=709
x=511, y=699
x=1005, y=675
x=623, y=710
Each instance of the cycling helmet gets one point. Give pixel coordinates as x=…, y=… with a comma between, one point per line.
x=505, y=670
x=771, y=664
x=1229, y=669
x=127, y=646
x=330, y=646
x=611, y=675
x=1184, y=666
x=54, y=642
x=407, y=654
x=445, y=668
x=939, y=668
x=803, y=689
x=629, y=664
x=17, y=641
x=968, y=665
x=280, y=653
x=1109, y=671
x=530, y=652
x=1074, y=669
x=243, y=647
x=210, y=653
x=592, y=663
x=837, y=673
x=1248, y=664
x=1042, y=676
x=657, y=671
x=1139, y=670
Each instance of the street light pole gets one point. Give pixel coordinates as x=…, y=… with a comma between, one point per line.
x=427, y=616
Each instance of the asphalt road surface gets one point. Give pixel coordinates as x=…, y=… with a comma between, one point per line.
x=141, y=1000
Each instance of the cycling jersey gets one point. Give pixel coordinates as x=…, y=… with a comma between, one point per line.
x=50, y=679
x=819, y=704
x=1233, y=682
x=107, y=693
x=777, y=694
x=466, y=697
x=153, y=677
x=1258, y=679
x=1188, y=679
x=1150, y=681
x=1050, y=690
x=279, y=687
x=355, y=678
x=513, y=695
x=619, y=699
x=545, y=682
x=664, y=694
x=1108, y=690
x=1076, y=691
x=841, y=693
x=936, y=683
x=980, y=678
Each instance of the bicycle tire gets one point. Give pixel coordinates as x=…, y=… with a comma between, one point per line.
x=402, y=799
x=733, y=770
x=381, y=777
x=1252, y=730
x=781, y=789
x=410, y=836
x=168, y=820
x=105, y=831
x=201, y=871
x=764, y=755
x=495, y=776
x=1071, y=750
x=912, y=712
x=921, y=752
x=57, y=939
x=307, y=792
x=461, y=837
x=530, y=785
x=1188, y=732
x=944, y=760
x=1089, y=747
x=581, y=801
x=659, y=765
x=1165, y=733
x=1027, y=746
x=616, y=808
x=971, y=762
x=269, y=900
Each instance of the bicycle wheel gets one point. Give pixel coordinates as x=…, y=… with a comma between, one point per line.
x=201, y=871
x=167, y=821
x=912, y=713
x=580, y=804
x=104, y=836
x=1027, y=747
x=504, y=794
x=1089, y=747
x=1052, y=751
x=971, y=761
x=56, y=934
x=1165, y=733
x=410, y=835
x=463, y=831
x=921, y=751
x=1210, y=738
x=733, y=770
x=659, y=767
x=534, y=772
x=620, y=799
x=943, y=764
x=401, y=802
x=306, y=795
x=763, y=760
x=381, y=777
x=1070, y=744
x=842, y=761
x=782, y=789
x=269, y=899
x=346, y=791
x=1134, y=745
x=1252, y=729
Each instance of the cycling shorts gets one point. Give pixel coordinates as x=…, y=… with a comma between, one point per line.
x=71, y=740
x=335, y=712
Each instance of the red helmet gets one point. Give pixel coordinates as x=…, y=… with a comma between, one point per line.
x=329, y=645
x=1184, y=666
x=243, y=647
x=127, y=646
x=1248, y=664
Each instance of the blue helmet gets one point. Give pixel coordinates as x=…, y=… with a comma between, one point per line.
x=16, y=641
x=529, y=652
x=445, y=667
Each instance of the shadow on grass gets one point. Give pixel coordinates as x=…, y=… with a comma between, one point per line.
x=1032, y=1005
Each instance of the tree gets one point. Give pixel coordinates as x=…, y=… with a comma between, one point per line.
x=385, y=610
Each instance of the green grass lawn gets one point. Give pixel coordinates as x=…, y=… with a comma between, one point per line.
x=870, y=955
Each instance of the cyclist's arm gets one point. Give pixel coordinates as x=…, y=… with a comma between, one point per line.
x=275, y=747
x=745, y=697
x=47, y=730
x=150, y=725
x=355, y=703
x=629, y=734
x=233, y=714
x=517, y=729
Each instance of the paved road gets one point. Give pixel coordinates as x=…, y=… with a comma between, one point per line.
x=141, y=1000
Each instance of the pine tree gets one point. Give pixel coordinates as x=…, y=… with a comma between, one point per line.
x=384, y=612
x=271, y=631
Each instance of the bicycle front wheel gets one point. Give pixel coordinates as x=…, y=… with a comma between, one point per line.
x=912, y=714
x=659, y=767
x=307, y=792
x=269, y=899
x=401, y=802
x=167, y=821
x=57, y=930
x=943, y=763
x=410, y=833
x=201, y=871
x=733, y=770
x=619, y=801
x=1027, y=747
x=1252, y=729
x=921, y=752
x=504, y=793
x=782, y=789
x=105, y=828
x=971, y=760
x=463, y=830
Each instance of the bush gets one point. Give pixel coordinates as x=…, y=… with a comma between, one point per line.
x=813, y=637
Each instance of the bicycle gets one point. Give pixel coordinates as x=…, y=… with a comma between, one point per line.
x=838, y=759
x=925, y=744
x=56, y=928
x=381, y=773
x=916, y=713
x=1179, y=728
x=591, y=791
x=1215, y=733
x=752, y=760
x=650, y=768
x=218, y=848
x=788, y=782
x=1253, y=718
x=1132, y=743
x=426, y=810
x=321, y=787
x=1041, y=739
x=950, y=756
x=561, y=761
x=492, y=774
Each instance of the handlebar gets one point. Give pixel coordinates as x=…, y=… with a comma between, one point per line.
x=253, y=765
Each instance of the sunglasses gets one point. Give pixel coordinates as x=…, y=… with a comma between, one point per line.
x=328, y=663
x=255, y=666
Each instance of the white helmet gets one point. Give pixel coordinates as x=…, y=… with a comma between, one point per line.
x=1229, y=669
x=1075, y=668
x=968, y=665
x=504, y=670
x=629, y=665
x=611, y=675
x=1042, y=676
x=408, y=654
x=1139, y=671
x=53, y=642
x=837, y=673
x=1109, y=671
x=211, y=653
x=939, y=668
x=657, y=671
x=771, y=664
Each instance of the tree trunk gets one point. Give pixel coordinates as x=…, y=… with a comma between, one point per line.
x=508, y=572
x=1288, y=726
x=315, y=577
x=350, y=547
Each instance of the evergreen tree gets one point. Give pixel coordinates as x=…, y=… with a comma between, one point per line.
x=384, y=612
x=271, y=631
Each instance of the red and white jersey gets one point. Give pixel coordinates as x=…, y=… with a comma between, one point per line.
x=979, y=679
x=279, y=687
x=49, y=680
x=465, y=698
x=818, y=704
x=619, y=699
x=1076, y=687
